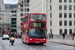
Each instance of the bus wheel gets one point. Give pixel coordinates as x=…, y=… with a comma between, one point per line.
x=42, y=43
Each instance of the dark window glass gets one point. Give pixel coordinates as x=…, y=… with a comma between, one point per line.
x=74, y=7
x=70, y=15
x=21, y=10
x=50, y=1
x=21, y=5
x=50, y=7
x=50, y=23
x=21, y=14
x=65, y=0
x=21, y=19
x=60, y=15
x=25, y=19
x=60, y=0
x=70, y=23
x=65, y=7
x=21, y=1
x=74, y=22
x=70, y=31
x=65, y=23
x=60, y=7
x=65, y=31
x=70, y=0
x=27, y=1
x=60, y=31
x=50, y=30
x=27, y=10
x=74, y=15
x=74, y=0
x=70, y=7
x=60, y=23
x=65, y=15
x=50, y=15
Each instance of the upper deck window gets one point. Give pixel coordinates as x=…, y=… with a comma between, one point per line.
x=37, y=17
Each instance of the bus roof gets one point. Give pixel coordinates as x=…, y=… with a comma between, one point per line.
x=35, y=13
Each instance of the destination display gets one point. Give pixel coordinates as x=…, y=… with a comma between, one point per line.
x=37, y=24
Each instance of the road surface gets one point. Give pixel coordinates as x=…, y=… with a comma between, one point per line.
x=18, y=45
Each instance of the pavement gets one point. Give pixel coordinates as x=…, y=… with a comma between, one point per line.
x=67, y=41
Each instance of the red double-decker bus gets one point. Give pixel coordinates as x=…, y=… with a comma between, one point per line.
x=34, y=27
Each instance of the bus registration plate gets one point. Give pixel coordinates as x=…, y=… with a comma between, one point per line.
x=37, y=42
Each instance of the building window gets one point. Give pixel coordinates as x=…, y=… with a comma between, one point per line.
x=50, y=23
x=70, y=31
x=50, y=15
x=65, y=23
x=65, y=31
x=65, y=15
x=74, y=7
x=70, y=15
x=21, y=19
x=21, y=10
x=70, y=7
x=70, y=0
x=60, y=15
x=27, y=5
x=74, y=30
x=74, y=22
x=65, y=0
x=21, y=1
x=27, y=10
x=21, y=14
x=70, y=23
x=74, y=0
x=50, y=1
x=60, y=7
x=65, y=7
x=27, y=1
x=21, y=5
x=60, y=31
x=60, y=1
x=60, y=23
x=50, y=7
x=50, y=30
x=74, y=15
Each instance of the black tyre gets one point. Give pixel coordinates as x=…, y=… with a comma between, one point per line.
x=8, y=38
x=42, y=43
x=11, y=43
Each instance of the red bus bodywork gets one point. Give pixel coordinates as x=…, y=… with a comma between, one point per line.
x=25, y=37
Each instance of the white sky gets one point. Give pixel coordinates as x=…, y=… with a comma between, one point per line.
x=10, y=1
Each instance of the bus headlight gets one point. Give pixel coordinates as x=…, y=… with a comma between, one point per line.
x=44, y=39
x=30, y=39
